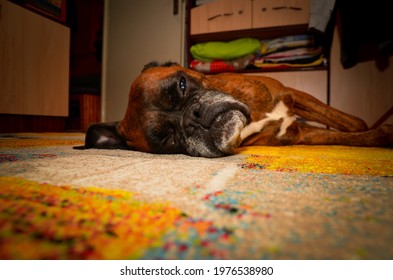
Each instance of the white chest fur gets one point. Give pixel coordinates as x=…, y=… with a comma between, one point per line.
x=280, y=111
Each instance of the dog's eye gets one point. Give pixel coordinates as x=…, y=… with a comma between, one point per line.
x=182, y=84
x=169, y=141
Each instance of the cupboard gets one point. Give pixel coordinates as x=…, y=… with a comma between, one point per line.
x=34, y=63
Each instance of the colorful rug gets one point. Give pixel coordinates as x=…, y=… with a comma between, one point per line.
x=292, y=202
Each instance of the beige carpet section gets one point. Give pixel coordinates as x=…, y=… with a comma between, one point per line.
x=293, y=202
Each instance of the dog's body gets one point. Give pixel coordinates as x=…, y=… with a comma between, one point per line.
x=172, y=109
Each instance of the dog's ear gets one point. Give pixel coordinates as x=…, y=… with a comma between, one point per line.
x=103, y=136
x=155, y=64
x=150, y=65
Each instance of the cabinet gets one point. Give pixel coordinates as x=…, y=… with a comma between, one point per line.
x=267, y=13
x=221, y=15
x=230, y=15
x=314, y=82
x=34, y=63
x=225, y=20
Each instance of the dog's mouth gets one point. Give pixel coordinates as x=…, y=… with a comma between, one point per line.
x=226, y=130
x=216, y=130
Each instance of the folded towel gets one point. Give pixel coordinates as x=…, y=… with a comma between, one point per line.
x=210, y=51
x=318, y=62
x=286, y=42
x=219, y=66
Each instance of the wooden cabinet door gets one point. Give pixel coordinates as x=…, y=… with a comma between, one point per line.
x=34, y=63
x=268, y=13
x=221, y=15
x=314, y=83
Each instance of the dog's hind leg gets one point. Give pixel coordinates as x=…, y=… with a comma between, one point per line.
x=310, y=108
x=380, y=137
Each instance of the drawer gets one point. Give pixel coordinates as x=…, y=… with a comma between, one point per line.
x=221, y=15
x=268, y=13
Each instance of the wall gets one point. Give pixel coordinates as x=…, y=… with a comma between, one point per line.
x=363, y=90
x=135, y=33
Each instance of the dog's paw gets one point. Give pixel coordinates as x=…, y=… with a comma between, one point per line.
x=386, y=134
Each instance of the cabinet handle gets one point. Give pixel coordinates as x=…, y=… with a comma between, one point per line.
x=175, y=7
x=284, y=7
x=220, y=15
x=295, y=8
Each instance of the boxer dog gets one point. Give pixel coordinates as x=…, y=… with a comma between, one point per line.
x=172, y=109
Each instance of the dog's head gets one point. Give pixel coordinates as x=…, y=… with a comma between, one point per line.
x=172, y=109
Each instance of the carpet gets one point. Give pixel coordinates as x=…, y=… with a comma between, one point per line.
x=295, y=202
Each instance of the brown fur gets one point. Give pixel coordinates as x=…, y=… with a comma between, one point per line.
x=156, y=99
x=261, y=94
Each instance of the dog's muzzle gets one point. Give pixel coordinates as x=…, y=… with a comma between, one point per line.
x=212, y=124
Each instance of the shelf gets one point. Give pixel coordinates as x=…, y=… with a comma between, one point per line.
x=260, y=71
x=315, y=68
x=265, y=33
x=260, y=33
x=311, y=79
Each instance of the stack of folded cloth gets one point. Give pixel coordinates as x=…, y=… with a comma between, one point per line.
x=288, y=52
x=216, y=57
x=250, y=53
